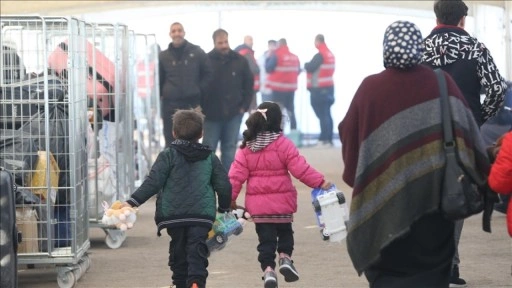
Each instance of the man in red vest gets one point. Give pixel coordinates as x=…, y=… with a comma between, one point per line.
x=321, y=87
x=283, y=68
x=246, y=51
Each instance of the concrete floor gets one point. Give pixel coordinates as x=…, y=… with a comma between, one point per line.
x=142, y=259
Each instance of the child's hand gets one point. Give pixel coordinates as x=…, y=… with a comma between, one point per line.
x=233, y=205
x=326, y=185
x=125, y=204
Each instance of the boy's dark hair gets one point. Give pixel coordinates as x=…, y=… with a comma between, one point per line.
x=449, y=12
x=188, y=124
x=219, y=32
x=274, y=42
x=257, y=123
x=320, y=38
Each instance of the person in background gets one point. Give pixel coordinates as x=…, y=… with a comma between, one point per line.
x=320, y=84
x=186, y=177
x=283, y=68
x=229, y=96
x=266, y=93
x=500, y=178
x=246, y=51
x=184, y=74
x=393, y=153
x=265, y=161
x=494, y=128
x=470, y=64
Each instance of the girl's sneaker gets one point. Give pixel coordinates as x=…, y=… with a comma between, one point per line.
x=288, y=270
x=270, y=279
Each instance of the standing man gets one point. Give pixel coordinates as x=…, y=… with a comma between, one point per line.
x=321, y=87
x=468, y=61
x=283, y=68
x=266, y=93
x=228, y=98
x=246, y=51
x=184, y=72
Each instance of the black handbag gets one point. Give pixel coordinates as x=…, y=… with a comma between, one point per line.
x=460, y=195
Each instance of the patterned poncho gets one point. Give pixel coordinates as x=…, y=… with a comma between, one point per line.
x=393, y=155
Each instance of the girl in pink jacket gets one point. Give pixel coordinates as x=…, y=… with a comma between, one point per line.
x=266, y=160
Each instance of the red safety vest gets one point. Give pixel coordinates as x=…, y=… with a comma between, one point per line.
x=323, y=76
x=244, y=52
x=284, y=77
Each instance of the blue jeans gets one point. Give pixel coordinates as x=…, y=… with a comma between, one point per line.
x=321, y=101
x=225, y=131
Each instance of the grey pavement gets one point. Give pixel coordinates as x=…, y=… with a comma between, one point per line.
x=141, y=261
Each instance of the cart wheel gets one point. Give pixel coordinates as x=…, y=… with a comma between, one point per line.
x=66, y=279
x=341, y=198
x=324, y=236
x=317, y=206
x=87, y=262
x=114, y=241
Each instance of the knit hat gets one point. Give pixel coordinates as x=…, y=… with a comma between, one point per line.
x=403, y=45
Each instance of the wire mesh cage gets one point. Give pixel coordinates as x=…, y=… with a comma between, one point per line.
x=110, y=155
x=146, y=103
x=43, y=120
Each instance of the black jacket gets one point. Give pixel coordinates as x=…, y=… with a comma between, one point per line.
x=183, y=79
x=186, y=176
x=231, y=88
x=470, y=64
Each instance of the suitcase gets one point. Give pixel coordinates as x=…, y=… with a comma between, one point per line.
x=331, y=213
x=21, y=100
x=9, y=244
x=105, y=76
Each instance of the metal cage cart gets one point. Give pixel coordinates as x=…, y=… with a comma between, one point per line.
x=43, y=112
x=110, y=155
x=146, y=103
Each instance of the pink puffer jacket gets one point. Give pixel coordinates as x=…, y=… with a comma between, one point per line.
x=269, y=189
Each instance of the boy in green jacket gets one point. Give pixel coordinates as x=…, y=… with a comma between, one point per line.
x=185, y=177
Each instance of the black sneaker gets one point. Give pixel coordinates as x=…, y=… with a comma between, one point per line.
x=455, y=280
x=270, y=279
x=288, y=270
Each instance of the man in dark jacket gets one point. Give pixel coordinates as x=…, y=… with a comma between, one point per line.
x=186, y=177
x=470, y=64
x=228, y=98
x=184, y=73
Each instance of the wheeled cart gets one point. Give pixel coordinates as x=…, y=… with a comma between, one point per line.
x=44, y=149
x=110, y=130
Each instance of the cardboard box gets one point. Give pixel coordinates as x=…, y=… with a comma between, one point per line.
x=26, y=221
x=39, y=182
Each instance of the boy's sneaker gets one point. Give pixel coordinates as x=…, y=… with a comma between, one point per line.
x=270, y=279
x=288, y=270
x=455, y=280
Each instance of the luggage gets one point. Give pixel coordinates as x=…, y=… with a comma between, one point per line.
x=105, y=76
x=9, y=244
x=21, y=100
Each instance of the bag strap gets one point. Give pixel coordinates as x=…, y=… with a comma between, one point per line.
x=445, y=110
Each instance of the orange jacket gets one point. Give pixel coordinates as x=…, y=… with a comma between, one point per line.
x=323, y=76
x=500, y=177
x=284, y=77
x=245, y=51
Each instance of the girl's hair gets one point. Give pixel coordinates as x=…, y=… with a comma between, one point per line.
x=256, y=123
